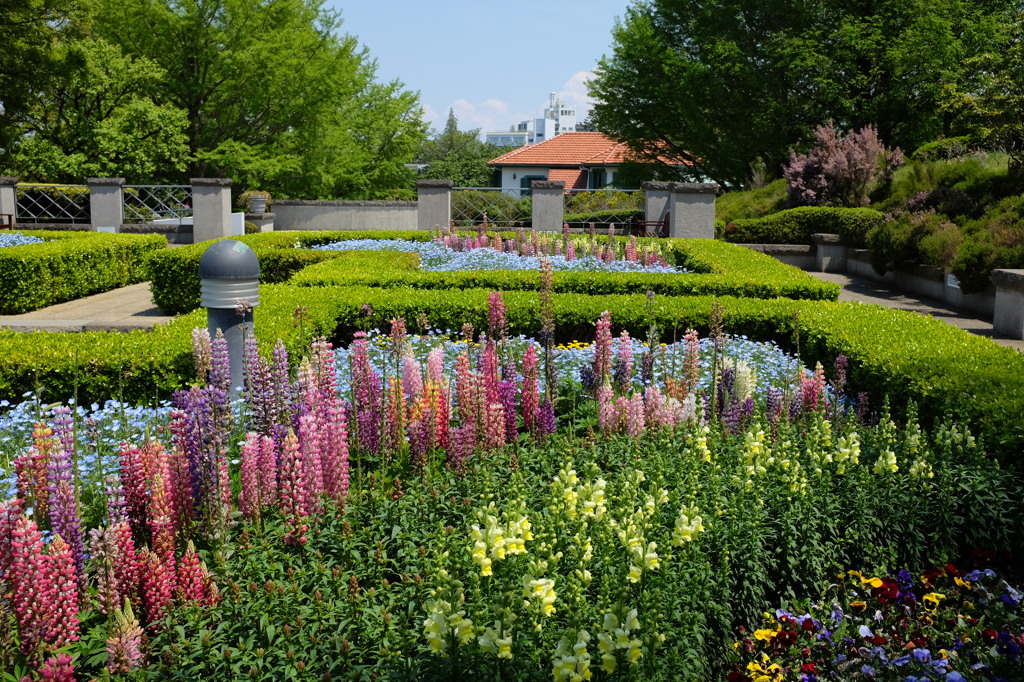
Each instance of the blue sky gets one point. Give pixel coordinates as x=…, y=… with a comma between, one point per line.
x=493, y=63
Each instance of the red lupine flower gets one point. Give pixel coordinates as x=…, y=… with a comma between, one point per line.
x=58, y=668
x=158, y=578
x=190, y=586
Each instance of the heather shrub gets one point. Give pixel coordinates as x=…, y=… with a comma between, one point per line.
x=900, y=239
x=839, y=170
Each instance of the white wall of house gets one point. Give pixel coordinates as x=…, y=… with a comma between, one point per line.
x=515, y=184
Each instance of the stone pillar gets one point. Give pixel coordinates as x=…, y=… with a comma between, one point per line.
x=8, y=201
x=829, y=252
x=434, y=204
x=106, y=204
x=211, y=208
x=1008, y=317
x=691, y=210
x=656, y=199
x=263, y=221
x=548, y=205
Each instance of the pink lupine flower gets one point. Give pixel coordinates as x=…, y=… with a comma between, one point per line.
x=292, y=487
x=412, y=375
x=30, y=584
x=32, y=472
x=102, y=553
x=607, y=411
x=62, y=625
x=603, y=346
x=497, y=328
x=309, y=444
x=659, y=414
x=59, y=668
x=394, y=422
x=691, y=361
x=435, y=365
x=570, y=250
x=10, y=512
x=268, y=470
x=635, y=416
x=124, y=641
x=495, y=426
x=161, y=510
x=158, y=582
x=126, y=565
x=190, y=586
x=812, y=387
x=249, y=502
x=179, y=488
x=133, y=481
x=463, y=390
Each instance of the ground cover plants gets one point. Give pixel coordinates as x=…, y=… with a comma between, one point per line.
x=617, y=516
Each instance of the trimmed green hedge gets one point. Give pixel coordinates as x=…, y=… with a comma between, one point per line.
x=174, y=274
x=725, y=270
x=70, y=265
x=796, y=225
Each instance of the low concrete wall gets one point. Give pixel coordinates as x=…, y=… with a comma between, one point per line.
x=344, y=215
x=798, y=255
x=924, y=281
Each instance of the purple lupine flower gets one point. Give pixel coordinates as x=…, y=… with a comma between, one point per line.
x=507, y=391
x=773, y=405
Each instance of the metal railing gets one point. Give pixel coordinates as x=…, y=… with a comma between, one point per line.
x=471, y=206
x=146, y=203
x=602, y=207
x=47, y=203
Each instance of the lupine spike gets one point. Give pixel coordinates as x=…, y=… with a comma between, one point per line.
x=124, y=641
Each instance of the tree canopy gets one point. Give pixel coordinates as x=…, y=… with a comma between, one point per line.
x=458, y=156
x=723, y=82
x=271, y=94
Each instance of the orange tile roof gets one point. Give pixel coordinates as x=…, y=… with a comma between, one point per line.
x=574, y=178
x=568, y=149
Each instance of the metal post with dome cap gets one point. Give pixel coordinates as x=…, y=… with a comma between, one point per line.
x=229, y=278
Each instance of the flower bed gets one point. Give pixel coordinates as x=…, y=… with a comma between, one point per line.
x=433, y=524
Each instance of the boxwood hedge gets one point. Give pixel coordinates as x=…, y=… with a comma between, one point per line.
x=70, y=265
x=796, y=225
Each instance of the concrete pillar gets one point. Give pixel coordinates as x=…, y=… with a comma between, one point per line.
x=1008, y=316
x=106, y=204
x=8, y=201
x=548, y=205
x=434, y=204
x=211, y=208
x=656, y=199
x=691, y=210
x=829, y=252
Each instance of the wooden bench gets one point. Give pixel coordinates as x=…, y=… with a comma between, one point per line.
x=648, y=228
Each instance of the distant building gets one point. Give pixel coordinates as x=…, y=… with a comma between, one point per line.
x=580, y=160
x=558, y=118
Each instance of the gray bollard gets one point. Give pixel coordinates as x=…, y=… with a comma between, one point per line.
x=229, y=277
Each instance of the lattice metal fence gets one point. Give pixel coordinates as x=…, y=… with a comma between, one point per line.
x=46, y=203
x=602, y=207
x=146, y=203
x=471, y=206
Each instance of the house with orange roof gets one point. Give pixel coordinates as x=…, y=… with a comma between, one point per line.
x=582, y=160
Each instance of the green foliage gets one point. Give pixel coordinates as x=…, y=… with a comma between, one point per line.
x=774, y=523
x=71, y=265
x=98, y=117
x=275, y=96
x=722, y=83
x=458, y=156
x=753, y=203
x=796, y=225
x=994, y=241
x=174, y=274
x=603, y=206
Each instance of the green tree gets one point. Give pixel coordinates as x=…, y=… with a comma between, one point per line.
x=990, y=105
x=723, y=82
x=94, y=118
x=458, y=156
x=274, y=94
x=28, y=29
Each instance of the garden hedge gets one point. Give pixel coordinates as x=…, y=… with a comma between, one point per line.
x=174, y=274
x=70, y=265
x=724, y=269
x=796, y=225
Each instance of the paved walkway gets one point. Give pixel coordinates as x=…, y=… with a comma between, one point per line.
x=122, y=309
x=132, y=308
